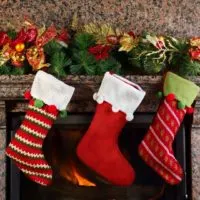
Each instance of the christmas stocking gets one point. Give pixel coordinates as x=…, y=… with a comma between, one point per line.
x=48, y=96
x=156, y=147
x=117, y=100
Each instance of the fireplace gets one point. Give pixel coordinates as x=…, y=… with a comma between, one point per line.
x=65, y=134
x=74, y=181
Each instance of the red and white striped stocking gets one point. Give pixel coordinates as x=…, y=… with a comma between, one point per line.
x=48, y=96
x=156, y=147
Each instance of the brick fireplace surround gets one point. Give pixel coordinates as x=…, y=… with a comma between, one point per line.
x=11, y=100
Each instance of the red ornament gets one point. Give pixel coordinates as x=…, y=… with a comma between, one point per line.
x=190, y=110
x=112, y=39
x=52, y=109
x=170, y=97
x=31, y=34
x=195, y=54
x=4, y=39
x=100, y=51
x=27, y=95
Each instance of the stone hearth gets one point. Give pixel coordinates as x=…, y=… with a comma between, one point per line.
x=11, y=100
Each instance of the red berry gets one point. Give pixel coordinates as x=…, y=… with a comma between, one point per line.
x=170, y=97
x=27, y=95
x=190, y=110
x=52, y=109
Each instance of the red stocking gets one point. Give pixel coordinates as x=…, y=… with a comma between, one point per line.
x=117, y=100
x=156, y=147
x=50, y=95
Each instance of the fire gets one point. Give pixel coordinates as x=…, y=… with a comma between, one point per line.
x=81, y=180
x=76, y=178
x=64, y=159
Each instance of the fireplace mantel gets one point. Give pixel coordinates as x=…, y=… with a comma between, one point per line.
x=12, y=89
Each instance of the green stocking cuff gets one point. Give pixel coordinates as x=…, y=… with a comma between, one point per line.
x=184, y=90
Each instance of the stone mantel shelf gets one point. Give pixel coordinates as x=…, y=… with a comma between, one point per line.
x=12, y=89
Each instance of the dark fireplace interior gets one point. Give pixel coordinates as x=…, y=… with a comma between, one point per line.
x=74, y=181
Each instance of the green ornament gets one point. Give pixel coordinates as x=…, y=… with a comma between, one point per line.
x=63, y=113
x=38, y=103
x=159, y=94
x=181, y=105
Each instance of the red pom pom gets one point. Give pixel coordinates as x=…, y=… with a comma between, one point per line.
x=27, y=95
x=190, y=110
x=170, y=97
x=52, y=109
x=31, y=102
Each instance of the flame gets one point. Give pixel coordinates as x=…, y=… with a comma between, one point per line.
x=64, y=160
x=76, y=178
x=81, y=180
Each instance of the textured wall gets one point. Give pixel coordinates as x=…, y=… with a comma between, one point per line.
x=177, y=17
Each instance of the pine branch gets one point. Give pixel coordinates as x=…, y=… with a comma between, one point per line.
x=83, y=63
x=52, y=47
x=12, y=33
x=83, y=40
x=59, y=63
x=5, y=69
x=109, y=64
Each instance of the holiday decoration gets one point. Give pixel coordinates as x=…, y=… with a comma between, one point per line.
x=4, y=39
x=48, y=96
x=93, y=49
x=156, y=147
x=19, y=47
x=117, y=99
x=88, y=58
x=128, y=42
x=101, y=52
x=36, y=58
x=102, y=32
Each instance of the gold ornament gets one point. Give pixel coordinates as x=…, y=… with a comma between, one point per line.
x=17, y=59
x=36, y=58
x=20, y=47
x=127, y=42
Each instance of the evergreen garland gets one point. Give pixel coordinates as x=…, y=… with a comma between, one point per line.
x=180, y=61
x=58, y=58
x=95, y=49
x=85, y=63
x=147, y=58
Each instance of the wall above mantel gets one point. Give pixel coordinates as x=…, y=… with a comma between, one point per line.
x=175, y=17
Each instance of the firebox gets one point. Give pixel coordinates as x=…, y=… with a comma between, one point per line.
x=72, y=180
